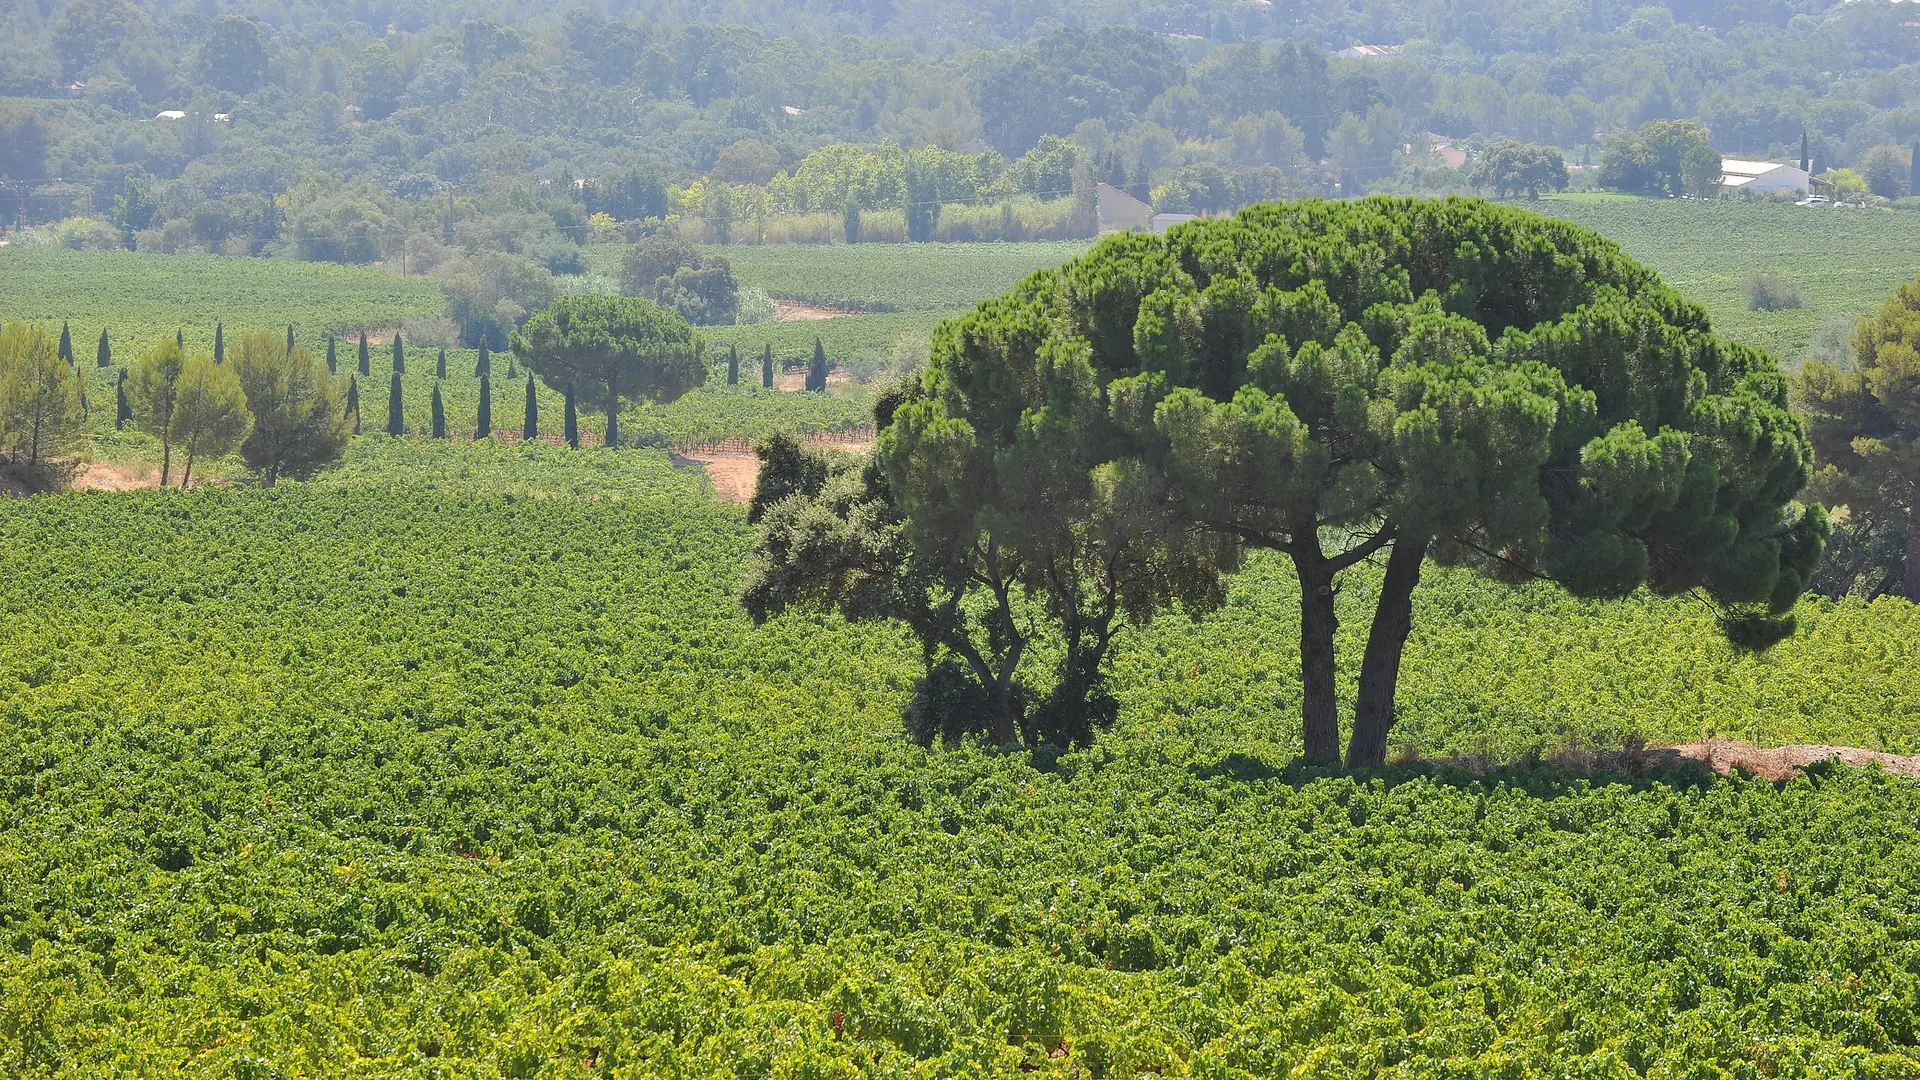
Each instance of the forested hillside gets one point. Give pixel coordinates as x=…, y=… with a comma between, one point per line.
x=351, y=132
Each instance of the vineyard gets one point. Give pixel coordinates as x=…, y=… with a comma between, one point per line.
x=143, y=298
x=462, y=760
x=1843, y=261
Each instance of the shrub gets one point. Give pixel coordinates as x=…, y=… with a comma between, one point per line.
x=1771, y=292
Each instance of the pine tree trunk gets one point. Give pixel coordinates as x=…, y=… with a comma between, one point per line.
x=1319, y=712
x=613, y=416
x=268, y=478
x=1380, y=667
x=166, y=460
x=186, y=475
x=1910, y=583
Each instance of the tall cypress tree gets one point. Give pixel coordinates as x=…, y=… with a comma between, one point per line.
x=365, y=367
x=353, y=401
x=1806, y=163
x=333, y=356
x=220, y=343
x=66, y=344
x=439, y=414
x=483, y=363
x=817, y=370
x=289, y=337
x=396, y=416
x=180, y=338
x=104, y=356
x=123, y=410
x=766, y=367
x=399, y=355
x=440, y=368
x=573, y=421
x=733, y=365
x=483, y=429
x=530, y=429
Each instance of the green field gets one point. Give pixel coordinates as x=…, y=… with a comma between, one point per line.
x=891, y=277
x=462, y=761
x=1844, y=261
x=142, y=298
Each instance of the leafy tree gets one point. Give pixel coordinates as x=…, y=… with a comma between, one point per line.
x=210, y=415
x=1865, y=423
x=153, y=393
x=103, y=353
x=133, y=208
x=1886, y=169
x=530, y=421
x=439, y=414
x=572, y=423
x=1510, y=167
x=365, y=360
x=66, y=344
x=817, y=368
x=621, y=348
x=733, y=365
x=766, y=367
x=23, y=144
x=674, y=274
x=235, y=58
x=40, y=402
x=1515, y=395
x=483, y=426
x=396, y=414
x=1662, y=157
x=299, y=423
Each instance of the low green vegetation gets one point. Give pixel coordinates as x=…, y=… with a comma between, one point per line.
x=1841, y=261
x=891, y=277
x=142, y=299
x=463, y=760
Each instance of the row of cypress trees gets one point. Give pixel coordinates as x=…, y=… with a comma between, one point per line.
x=483, y=422
x=816, y=369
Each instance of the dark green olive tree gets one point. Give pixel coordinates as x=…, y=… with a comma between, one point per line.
x=1390, y=380
x=612, y=349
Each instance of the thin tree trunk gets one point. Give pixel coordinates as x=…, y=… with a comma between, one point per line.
x=166, y=460
x=613, y=416
x=1380, y=668
x=186, y=476
x=1910, y=584
x=267, y=478
x=1319, y=712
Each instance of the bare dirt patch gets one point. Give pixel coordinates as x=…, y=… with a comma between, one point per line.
x=1780, y=762
x=115, y=476
x=735, y=471
x=801, y=311
x=795, y=381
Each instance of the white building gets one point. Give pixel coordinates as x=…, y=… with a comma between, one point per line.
x=1771, y=176
x=1120, y=212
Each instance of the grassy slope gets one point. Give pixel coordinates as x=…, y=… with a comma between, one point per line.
x=463, y=761
x=142, y=298
x=1845, y=261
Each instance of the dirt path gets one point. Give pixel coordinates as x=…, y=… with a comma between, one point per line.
x=734, y=470
x=115, y=476
x=800, y=311
x=1780, y=762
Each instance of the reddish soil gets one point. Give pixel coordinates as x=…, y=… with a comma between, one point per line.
x=1780, y=762
x=798, y=311
x=734, y=470
x=115, y=476
x=796, y=380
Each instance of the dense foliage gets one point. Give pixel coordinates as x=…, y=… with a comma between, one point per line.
x=463, y=761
